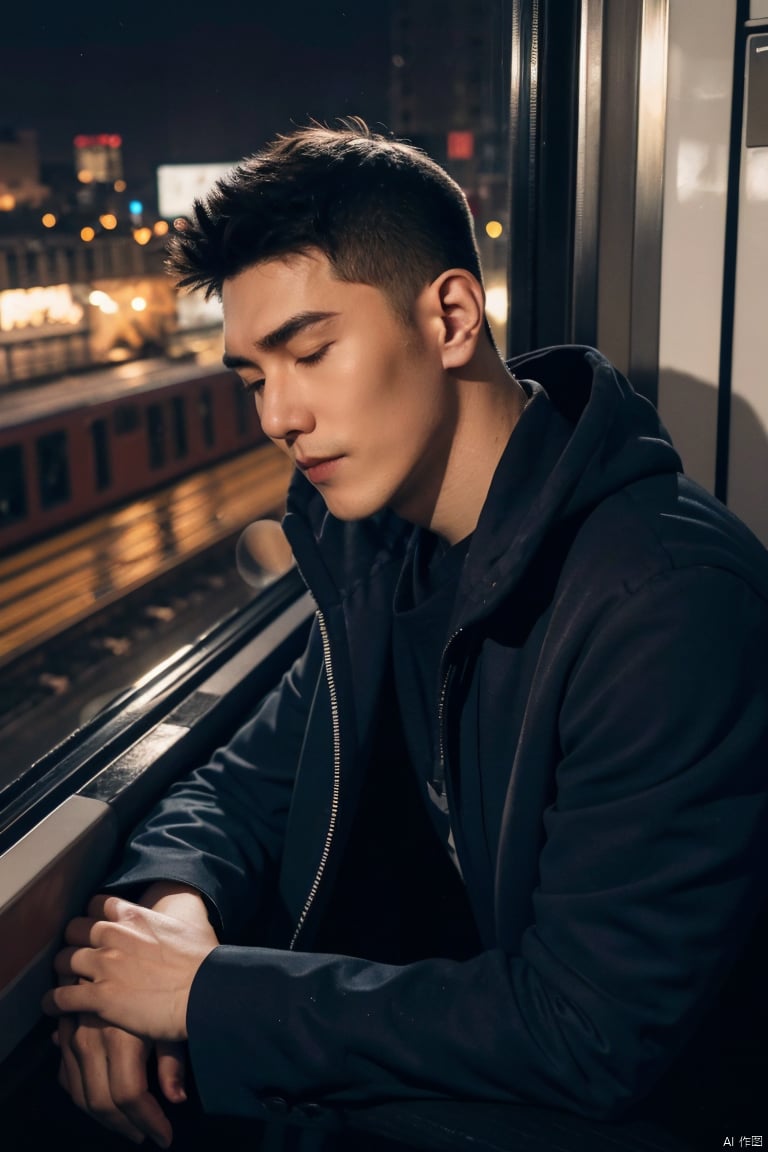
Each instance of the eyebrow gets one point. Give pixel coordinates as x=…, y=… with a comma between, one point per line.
x=280, y=335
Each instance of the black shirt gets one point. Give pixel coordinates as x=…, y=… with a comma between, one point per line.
x=422, y=610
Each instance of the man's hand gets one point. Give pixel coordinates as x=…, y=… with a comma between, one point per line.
x=104, y=1068
x=135, y=968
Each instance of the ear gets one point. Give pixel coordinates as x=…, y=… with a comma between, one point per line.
x=461, y=302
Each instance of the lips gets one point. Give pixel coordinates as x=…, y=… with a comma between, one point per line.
x=318, y=468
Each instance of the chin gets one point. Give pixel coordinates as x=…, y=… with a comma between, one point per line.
x=352, y=509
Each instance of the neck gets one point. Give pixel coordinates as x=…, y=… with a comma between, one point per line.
x=490, y=401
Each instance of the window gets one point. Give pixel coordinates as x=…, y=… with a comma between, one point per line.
x=102, y=468
x=126, y=419
x=191, y=446
x=53, y=469
x=179, y=427
x=156, y=435
x=206, y=417
x=13, y=491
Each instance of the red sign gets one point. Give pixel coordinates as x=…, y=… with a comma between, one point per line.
x=461, y=145
x=105, y=140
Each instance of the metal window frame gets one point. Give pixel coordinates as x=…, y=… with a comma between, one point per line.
x=610, y=170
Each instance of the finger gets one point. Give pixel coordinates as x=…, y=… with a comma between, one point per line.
x=105, y=907
x=83, y=1080
x=172, y=1071
x=78, y=931
x=127, y=1059
x=85, y=1076
x=75, y=962
x=63, y=1035
x=67, y=998
x=70, y=1078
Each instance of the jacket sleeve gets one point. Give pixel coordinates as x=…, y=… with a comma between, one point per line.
x=221, y=829
x=649, y=882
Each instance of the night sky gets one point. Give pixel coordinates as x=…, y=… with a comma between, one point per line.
x=187, y=83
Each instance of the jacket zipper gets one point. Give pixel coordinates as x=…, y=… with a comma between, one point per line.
x=439, y=782
x=336, y=778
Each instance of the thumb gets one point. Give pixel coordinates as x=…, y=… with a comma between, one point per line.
x=171, y=1071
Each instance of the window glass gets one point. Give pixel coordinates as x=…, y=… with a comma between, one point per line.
x=13, y=494
x=206, y=417
x=156, y=435
x=157, y=456
x=53, y=469
x=179, y=424
x=101, y=457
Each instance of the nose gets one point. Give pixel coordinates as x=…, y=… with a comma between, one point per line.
x=283, y=411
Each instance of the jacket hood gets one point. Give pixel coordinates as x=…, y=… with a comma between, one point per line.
x=584, y=434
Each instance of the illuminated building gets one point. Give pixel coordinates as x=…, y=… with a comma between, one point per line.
x=449, y=95
x=20, y=185
x=456, y=110
x=99, y=159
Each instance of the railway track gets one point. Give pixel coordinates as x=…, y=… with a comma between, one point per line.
x=87, y=613
x=65, y=579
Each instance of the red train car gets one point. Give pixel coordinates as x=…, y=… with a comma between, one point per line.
x=88, y=442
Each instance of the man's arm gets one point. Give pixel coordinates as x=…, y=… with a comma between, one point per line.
x=650, y=879
x=215, y=834
x=220, y=830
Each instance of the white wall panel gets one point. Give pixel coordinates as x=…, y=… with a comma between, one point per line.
x=700, y=64
x=748, y=448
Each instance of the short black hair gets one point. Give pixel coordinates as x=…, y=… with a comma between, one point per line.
x=380, y=209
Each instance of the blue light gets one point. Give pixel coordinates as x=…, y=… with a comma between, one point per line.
x=136, y=207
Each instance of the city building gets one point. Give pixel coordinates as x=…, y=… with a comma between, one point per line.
x=20, y=185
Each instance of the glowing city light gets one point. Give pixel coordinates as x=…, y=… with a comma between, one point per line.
x=139, y=304
x=494, y=229
x=7, y=202
x=102, y=140
x=160, y=228
x=142, y=235
x=87, y=234
x=108, y=221
x=119, y=185
x=103, y=302
x=496, y=303
x=38, y=307
x=85, y=176
x=48, y=220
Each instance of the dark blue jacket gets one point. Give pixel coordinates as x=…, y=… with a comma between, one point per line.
x=604, y=698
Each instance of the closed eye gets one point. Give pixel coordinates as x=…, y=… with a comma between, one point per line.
x=257, y=386
x=315, y=357
x=253, y=385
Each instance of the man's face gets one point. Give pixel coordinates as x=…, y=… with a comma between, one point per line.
x=358, y=399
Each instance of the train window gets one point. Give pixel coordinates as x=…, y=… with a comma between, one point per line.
x=156, y=435
x=102, y=467
x=206, y=417
x=126, y=419
x=13, y=492
x=179, y=427
x=53, y=469
x=181, y=456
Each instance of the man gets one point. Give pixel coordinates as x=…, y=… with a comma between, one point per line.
x=531, y=628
